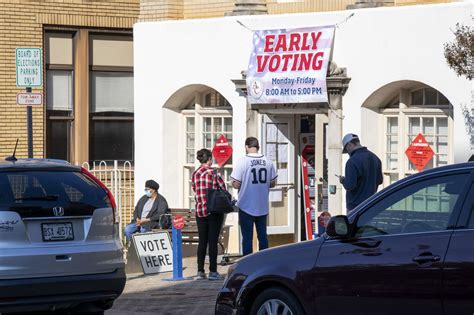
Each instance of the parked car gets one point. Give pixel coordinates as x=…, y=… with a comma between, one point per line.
x=408, y=249
x=59, y=240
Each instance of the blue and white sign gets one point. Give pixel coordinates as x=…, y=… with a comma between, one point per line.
x=29, y=67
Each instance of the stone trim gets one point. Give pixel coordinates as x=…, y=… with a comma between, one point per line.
x=85, y=20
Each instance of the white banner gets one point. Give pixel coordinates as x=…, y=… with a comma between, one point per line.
x=289, y=66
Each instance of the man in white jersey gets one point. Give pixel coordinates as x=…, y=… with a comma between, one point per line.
x=253, y=175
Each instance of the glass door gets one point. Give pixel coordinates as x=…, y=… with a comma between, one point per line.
x=278, y=146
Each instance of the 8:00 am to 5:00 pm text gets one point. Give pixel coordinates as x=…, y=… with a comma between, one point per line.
x=297, y=91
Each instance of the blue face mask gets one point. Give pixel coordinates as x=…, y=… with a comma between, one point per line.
x=148, y=193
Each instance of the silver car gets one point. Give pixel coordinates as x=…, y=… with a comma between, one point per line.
x=59, y=242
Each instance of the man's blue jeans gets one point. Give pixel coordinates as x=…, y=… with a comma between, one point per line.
x=132, y=228
x=246, y=222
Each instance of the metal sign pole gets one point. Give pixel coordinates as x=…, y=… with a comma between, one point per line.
x=177, y=240
x=29, y=124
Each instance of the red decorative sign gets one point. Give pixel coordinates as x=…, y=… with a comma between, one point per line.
x=222, y=150
x=178, y=222
x=419, y=152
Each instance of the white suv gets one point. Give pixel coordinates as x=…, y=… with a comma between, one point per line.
x=59, y=244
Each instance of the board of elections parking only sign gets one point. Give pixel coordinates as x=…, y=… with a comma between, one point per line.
x=29, y=65
x=419, y=152
x=154, y=251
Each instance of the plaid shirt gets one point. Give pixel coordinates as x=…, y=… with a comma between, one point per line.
x=201, y=179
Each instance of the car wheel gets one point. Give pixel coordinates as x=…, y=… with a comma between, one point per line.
x=275, y=301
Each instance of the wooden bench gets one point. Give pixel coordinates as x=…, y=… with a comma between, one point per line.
x=190, y=235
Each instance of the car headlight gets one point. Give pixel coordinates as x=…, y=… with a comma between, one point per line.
x=230, y=271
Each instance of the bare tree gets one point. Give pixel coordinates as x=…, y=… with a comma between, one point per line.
x=459, y=54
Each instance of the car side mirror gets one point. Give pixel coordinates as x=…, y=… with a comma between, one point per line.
x=338, y=226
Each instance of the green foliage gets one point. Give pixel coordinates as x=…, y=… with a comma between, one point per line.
x=459, y=54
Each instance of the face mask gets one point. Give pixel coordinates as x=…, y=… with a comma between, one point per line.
x=148, y=193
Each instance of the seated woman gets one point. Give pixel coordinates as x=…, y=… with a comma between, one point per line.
x=148, y=211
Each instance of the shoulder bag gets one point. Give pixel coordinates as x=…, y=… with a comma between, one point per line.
x=165, y=220
x=218, y=200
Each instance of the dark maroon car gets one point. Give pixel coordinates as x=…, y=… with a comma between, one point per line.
x=409, y=249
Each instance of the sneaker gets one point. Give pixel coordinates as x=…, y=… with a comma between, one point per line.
x=215, y=276
x=201, y=276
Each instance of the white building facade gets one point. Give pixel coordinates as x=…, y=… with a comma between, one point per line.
x=400, y=85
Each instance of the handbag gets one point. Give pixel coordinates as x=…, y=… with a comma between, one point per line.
x=165, y=221
x=218, y=200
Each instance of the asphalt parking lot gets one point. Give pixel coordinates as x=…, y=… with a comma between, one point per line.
x=150, y=294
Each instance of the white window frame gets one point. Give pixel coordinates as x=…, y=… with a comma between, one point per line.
x=200, y=112
x=404, y=113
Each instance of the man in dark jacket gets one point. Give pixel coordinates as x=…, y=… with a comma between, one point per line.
x=363, y=172
x=148, y=211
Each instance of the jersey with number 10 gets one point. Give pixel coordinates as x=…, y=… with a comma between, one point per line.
x=254, y=172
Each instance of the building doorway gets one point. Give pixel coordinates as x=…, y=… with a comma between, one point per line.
x=284, y=138
x=279, y=146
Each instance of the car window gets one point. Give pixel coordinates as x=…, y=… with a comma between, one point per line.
x=420, y=207
x=23, y=185
x=58, y=188
x=73, y=193
x=471, y=208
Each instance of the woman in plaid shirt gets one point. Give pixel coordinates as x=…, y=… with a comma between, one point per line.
x=209, y=224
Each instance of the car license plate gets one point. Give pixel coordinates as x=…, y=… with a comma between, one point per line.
x=57, y=232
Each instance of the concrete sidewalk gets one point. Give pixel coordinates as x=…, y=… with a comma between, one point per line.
x=150, y=294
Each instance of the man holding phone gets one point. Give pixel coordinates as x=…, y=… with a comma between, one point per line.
x=363, y=172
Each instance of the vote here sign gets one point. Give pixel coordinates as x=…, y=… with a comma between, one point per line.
x=154, y=251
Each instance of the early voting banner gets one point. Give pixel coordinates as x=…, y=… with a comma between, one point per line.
x=289, y=66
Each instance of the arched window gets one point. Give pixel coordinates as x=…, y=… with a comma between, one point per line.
x=421, y=110
x=206, y=118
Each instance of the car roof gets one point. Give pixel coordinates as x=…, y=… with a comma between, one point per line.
x=442, y=169
x=37, y=164
x=466, y=166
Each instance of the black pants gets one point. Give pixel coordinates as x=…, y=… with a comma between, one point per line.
x=209, y=229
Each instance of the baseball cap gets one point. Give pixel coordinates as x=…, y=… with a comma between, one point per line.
x=348, y=138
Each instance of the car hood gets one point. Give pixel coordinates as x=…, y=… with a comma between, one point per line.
x=287, y=250
x=287, y=261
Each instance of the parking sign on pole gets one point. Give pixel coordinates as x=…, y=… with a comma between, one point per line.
x=29, y=73
x=29, y=67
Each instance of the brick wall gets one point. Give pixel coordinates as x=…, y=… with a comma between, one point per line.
x=157, y=10
x=21, y=25
x=207, y=8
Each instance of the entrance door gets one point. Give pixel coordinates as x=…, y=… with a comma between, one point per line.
x=278, y=146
